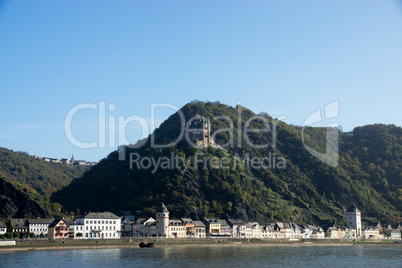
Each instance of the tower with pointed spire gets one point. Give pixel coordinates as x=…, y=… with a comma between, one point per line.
x=162, y=221
x=354, y=219
x=72, y=160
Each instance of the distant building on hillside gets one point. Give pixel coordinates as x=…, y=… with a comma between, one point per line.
x=199, y=131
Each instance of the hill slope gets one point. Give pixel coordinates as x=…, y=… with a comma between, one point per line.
x=302, y=188
x=39, y=178
x=16, y=203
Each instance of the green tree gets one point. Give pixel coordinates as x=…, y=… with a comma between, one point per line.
x=149, y=211
x=10, y=226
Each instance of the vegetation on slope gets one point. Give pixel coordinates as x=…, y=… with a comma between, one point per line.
x=305, y=190
x=37, y=178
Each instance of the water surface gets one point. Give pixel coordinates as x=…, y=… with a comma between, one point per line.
x=250, y=256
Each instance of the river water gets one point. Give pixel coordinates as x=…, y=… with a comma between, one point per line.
x=250, y=256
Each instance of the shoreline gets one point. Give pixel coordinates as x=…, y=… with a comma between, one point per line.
x=178, y=244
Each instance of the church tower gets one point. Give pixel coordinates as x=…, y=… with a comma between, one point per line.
x=72, y=160
x=354, y=219
x=162, y=221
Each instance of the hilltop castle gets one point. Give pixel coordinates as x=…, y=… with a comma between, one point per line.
x=199, y=131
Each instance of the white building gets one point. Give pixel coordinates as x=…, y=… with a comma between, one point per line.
x=199, y=227
x=256, y=229
x=39, y=226
x=354, y=219
x=239, y=228
x=104, y=225
x=177, y=229
x=3, y=227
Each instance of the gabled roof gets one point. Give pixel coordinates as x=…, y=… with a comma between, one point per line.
x=280, y=224
x=211, y=220
x=145, y=220
x=19, y=223
x=223, y=223
x=3, y=224
x=176, y=222
x=40, y=221
x=69, y=221
x=55, y=222
x=236, y=222
x=187, y=220
x=141, y=220
x=199, y=224
x=100, y=215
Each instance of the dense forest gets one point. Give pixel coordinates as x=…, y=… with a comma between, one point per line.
x=37, y=178
x=304, y=190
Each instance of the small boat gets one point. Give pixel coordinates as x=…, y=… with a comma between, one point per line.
x=143, y=245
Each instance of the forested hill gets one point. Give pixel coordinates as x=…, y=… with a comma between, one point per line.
x=304, y=189
x=39, y=178
x=15, y=202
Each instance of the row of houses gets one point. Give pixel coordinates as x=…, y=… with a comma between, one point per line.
x=210, y=227
x=106, y=225
x=92, y=225
x=165, y=227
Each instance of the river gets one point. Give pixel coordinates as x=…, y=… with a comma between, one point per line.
x=204, y=256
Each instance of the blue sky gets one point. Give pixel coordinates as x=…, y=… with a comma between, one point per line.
x=287, y=58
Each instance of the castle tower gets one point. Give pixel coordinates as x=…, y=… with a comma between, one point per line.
x=162, y=221
x=200, y=130
x=354, y=219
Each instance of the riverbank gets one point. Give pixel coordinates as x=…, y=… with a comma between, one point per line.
x=169, y=243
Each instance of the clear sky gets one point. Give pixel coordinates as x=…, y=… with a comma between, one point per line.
x=287, y=58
